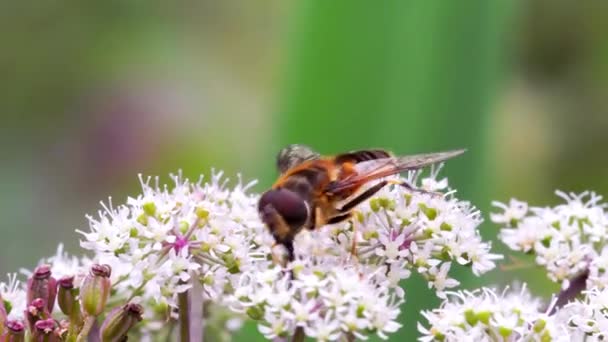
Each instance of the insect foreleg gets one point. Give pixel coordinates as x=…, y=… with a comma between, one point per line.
x=362, y=197
x=412, y=189
x=339, y=218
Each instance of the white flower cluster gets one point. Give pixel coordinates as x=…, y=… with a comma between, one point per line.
x=324, y=294
x=166, y=237
x=588, y=319
x=163, y=241
x=485, y=315
x=13, y=296
x=330, y=294
x=421, y=230
x=566, y=239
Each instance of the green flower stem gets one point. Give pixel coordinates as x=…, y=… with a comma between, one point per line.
x=86, y=329
x=75, y=322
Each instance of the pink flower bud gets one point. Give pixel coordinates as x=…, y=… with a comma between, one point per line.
x=95, y=289
x=15, y=331
x=36, y=311
x=45, y=331
x=118, y=322
x=42, y=285
x=36, y=307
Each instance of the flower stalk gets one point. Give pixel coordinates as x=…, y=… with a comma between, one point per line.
x=83, y=335
x=183, y=303
x=67, y=298
x=298, y=335
x=576, y=287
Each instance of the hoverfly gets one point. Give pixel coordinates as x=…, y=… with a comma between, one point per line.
x=315, y=190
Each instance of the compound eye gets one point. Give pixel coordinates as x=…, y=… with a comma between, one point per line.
x=288, y=204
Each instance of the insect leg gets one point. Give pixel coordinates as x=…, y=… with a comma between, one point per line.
x=362, y=197
x=412, y=189
x=289, y=247
x=353, y=203
x=339, y=218
x=281, y=260
x=353, y=247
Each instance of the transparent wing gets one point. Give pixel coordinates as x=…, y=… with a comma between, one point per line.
x=379, y=168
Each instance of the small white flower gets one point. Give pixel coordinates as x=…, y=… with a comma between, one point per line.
x=422, y=258
x=392, y=248
x=438, y=278
x=278, y=326
x=326, y=329
x=512, y=213
x=304, y=312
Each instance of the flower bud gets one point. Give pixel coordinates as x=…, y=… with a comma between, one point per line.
x=66, y=295
x=116, y=326
x=15, y=331
x=42, y=285
x=35, y=311
x=95, y=289
x=45, y=331
x=36, y=307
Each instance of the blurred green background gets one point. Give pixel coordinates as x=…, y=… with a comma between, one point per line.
x=92, y=93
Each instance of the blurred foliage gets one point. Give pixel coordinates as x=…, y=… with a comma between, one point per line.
x=95, y=92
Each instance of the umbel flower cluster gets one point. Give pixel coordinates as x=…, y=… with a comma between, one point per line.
x=166, y=239
x=569, y=241
x=330, y=293
x=171, y=250
x=488, y=315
